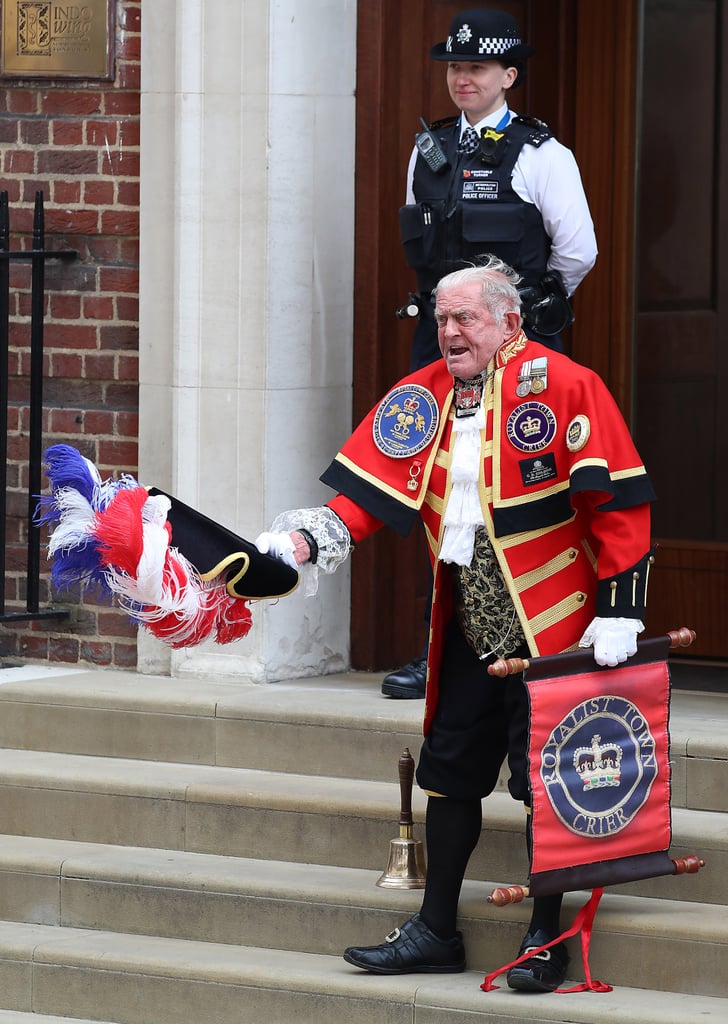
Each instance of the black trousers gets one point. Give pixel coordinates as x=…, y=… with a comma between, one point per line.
x=480, y=721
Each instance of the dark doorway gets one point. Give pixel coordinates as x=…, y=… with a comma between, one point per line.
x=681, y=355
x=397, y=83
x=585, y=82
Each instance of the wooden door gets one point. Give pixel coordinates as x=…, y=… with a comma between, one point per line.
x=581, y=82
x=681, y=362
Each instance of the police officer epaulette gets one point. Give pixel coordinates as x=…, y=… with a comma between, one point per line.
x=540, y=131
x=444, y=122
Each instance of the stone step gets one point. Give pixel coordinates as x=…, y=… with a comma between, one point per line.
x=137, y=979
x=281, y=816
x=17, y=1017
x=333, y=725
x=248, y=827
x=322, y=909
x=337, y=725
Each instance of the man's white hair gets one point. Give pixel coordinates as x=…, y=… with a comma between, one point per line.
x=499, y=283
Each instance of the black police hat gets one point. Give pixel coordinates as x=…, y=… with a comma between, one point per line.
x=216, y=551
x=483, y=34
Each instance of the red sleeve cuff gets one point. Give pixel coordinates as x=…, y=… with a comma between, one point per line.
x=357, y=520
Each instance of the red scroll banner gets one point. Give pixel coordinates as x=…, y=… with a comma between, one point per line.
x=599, y=769
x=600, y=780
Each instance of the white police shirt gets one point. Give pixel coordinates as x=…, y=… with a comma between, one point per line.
x=548, y=177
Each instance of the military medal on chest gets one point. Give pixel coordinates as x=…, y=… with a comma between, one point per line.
x=533, y=377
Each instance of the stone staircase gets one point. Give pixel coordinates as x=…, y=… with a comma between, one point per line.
x=184, y=850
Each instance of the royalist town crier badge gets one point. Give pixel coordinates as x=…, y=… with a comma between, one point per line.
x=598, y=766
x=405, y=421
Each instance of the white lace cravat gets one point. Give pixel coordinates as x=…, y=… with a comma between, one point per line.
x=464, y=513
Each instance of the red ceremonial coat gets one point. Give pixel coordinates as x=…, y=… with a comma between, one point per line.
x=564, y=494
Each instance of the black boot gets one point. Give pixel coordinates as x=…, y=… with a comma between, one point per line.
x=407, y=682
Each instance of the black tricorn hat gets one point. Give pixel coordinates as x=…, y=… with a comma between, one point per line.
x=483, y=34
x=216, y=551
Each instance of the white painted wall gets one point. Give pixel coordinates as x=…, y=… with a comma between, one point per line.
x=247, y=245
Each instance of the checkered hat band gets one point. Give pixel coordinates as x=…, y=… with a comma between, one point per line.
x=489, y=44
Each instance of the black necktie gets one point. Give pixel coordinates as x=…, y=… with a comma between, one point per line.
x=470, y=141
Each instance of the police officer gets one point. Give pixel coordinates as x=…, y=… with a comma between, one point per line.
x=489, y=181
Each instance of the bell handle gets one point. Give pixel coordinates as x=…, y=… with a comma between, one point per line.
x=406, y=776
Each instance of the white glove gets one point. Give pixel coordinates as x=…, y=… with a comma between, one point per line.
x=614, y=640
x=277, y=545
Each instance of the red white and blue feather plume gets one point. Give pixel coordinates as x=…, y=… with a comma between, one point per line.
x=77, y=494
x=113, y=537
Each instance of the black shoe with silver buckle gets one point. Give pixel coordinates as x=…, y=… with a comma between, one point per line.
x=411, y=949
x=543, y=972
x=407, y=682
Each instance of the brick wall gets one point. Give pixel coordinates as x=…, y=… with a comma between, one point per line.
x=79, y=144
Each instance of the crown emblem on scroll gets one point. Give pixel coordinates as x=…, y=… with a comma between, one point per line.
x=598, y=766
x=531, y=425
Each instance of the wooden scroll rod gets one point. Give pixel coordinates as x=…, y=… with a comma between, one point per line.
x=503, y=667
x=504, y=895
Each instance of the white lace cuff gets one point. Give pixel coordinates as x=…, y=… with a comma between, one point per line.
x=331, y=535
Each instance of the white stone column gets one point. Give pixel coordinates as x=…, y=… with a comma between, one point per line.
x=247, y=241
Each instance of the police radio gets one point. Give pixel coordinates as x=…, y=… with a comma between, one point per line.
x=430, y=149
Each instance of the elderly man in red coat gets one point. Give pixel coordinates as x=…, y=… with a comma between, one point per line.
x=536, y=509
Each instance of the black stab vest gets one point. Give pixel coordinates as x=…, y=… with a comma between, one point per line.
x=443, y=231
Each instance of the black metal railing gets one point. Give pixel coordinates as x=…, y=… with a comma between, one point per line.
x=37, y=255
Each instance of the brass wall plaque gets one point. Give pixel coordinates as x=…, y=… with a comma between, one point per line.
x=51, y=39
